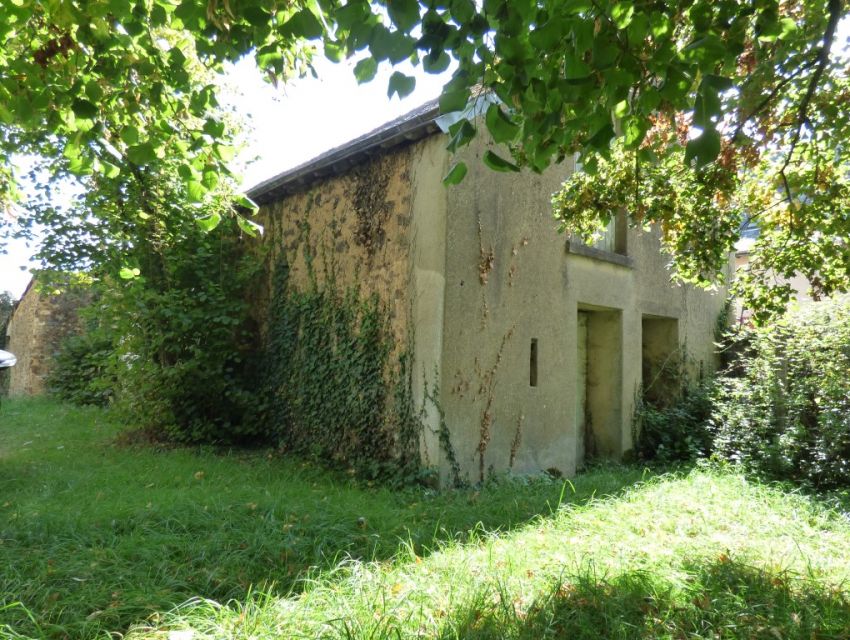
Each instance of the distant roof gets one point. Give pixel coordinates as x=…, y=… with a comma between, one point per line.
x=412, y=126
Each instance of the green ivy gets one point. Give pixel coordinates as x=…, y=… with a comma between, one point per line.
x=339, y=390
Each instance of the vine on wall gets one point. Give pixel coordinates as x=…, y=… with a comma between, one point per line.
x=338, y=390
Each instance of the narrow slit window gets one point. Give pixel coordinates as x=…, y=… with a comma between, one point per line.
x=532, y=373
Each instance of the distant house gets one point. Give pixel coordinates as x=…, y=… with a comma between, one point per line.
x=800, y=285
x=538, y=343
x=35, y=330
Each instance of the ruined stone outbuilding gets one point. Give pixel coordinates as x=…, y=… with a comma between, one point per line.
x=537, y=343
x=36, y=329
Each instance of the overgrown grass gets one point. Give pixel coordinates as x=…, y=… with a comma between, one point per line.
x=97, y=537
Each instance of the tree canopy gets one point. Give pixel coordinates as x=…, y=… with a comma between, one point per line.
x=692, y=114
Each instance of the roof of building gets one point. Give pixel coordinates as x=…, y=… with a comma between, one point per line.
x=412, y=126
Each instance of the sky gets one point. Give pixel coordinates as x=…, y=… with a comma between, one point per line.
x=287, y=125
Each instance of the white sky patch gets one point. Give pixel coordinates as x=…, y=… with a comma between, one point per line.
x=295, y=123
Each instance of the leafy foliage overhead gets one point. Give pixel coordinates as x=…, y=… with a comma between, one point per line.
x=750, y=88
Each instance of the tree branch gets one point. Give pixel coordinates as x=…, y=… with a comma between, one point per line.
x=834, y=8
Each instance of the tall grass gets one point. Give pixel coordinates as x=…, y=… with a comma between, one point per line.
x=99, y=537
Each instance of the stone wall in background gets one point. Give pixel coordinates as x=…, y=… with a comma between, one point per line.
x=39, y=324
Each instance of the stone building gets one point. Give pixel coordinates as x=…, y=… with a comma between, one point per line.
x=34, y=333
x=537, y=343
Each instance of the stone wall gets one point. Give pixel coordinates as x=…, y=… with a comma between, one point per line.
x=39, y=324
x=358, y=225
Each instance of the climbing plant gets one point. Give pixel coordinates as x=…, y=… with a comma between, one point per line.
x=339, y=388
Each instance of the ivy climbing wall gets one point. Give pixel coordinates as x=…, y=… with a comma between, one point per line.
x=355, y=287
x=358, y=224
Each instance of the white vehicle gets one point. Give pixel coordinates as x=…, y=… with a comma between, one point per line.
x=7, y=359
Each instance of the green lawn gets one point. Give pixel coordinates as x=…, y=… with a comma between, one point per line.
x=99, y=537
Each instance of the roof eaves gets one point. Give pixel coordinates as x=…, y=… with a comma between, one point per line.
x=412, y=126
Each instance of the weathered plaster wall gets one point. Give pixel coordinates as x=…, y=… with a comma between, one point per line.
x=428, y=285
x=471, y=275
x=358, y=222
x=511, y=278
x=382, y=225
x=34, y=334
x=506, y=283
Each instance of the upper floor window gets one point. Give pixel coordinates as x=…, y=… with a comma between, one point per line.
x=614, y=237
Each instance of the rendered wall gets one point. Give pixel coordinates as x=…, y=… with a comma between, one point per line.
x=506, y=283
x=359, y=222
x=511, y=278
x=471, y=275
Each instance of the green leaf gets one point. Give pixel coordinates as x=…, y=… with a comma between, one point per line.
x=186, y=172
x=210, y=222
x=621, y=109
x=497, y=163
x=455, y=100
x=638, y=28
x=245, y=202
x=401, y=84
x=602, y=138
x=248, y=226
x=195, y=190
x=575, y=68
x=224, y=152
x=108, y=169
x=334, y=51
x=302, y=25
x=605, y=53
x=787, y=28
x=351, y=14
x=126, y=273
x=461, y=132
x=436, y=64
x=214, y=127
x=703, y=149
x=210, y=179
x=502, y=128
x=706, y=50
x=270, y=58
x=547, y=35
x=84, y=109
x=365, y=70
x=462, y=10
x=141, y=154
x=720, y=83
x=456, y=174
x=94, y=92
x=403, y=13
x=634, y=128
x=621, y=14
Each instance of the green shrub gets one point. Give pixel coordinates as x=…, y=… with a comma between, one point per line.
x=174, y=349
x=673, y=427
x=786, y=412
x=81, y=373
x=185, y=349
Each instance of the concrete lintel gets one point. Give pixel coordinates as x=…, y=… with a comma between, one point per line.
x=578, y=248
